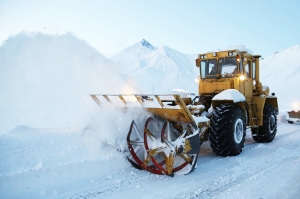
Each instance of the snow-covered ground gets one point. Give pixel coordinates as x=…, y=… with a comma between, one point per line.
x=55, y=142
x=69, y=163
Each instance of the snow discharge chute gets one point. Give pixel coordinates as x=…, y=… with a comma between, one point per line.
x=170, y=141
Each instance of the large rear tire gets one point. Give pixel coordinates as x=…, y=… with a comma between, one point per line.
x=227, y=130
x=266, y=132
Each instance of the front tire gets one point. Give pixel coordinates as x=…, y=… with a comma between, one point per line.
x=266, y=132
x=227, y=130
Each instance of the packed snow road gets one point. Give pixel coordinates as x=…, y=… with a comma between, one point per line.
x=39, y=163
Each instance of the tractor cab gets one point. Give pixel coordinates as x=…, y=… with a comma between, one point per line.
x=221, y=65
x=232, y=69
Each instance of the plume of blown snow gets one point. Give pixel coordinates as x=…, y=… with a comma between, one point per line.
x=45, y=81
x=107, y=129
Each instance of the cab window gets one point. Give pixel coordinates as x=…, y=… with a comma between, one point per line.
x=247, y=69
x=228, y=65
x=208, y=68
x=253, y=70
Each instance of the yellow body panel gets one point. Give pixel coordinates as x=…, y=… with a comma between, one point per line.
x=209, y=86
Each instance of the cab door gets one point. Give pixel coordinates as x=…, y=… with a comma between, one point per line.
x=248, y=82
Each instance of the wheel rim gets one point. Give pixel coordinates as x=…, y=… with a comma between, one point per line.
x=272, y=123
x=238, y=131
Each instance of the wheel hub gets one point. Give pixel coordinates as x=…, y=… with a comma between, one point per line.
x=238, y=131
x=272, y=123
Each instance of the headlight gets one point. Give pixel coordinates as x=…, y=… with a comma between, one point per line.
x=238, y=59
x=242, y=77
x=230, y=53
x=296, y=105
x=214, y=54
x=205, y=56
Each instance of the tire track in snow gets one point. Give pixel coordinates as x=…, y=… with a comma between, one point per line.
x=115, y=183
x=287, y=134
x=247, y=169
x=246, y=148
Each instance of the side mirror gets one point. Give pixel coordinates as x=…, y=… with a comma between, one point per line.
x=197, y=62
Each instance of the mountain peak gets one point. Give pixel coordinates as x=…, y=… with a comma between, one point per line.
x=146, y=44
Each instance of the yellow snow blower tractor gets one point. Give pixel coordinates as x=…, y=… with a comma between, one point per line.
x=231, y=98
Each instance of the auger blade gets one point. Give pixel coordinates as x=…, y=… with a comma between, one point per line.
x=166, y=149
x=139, y=158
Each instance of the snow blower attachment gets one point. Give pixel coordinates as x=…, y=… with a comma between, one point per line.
x=170, y=142
x=231, y=98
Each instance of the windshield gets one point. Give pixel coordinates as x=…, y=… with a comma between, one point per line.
x=228, y=65
x=208, y=68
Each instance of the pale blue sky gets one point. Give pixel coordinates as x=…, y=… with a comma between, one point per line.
x=192, y=27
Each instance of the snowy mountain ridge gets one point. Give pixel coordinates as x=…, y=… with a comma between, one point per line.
x=169, y=60
x=281, y=72
x=143, y=54
x=165, y=63
x=129, y=57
